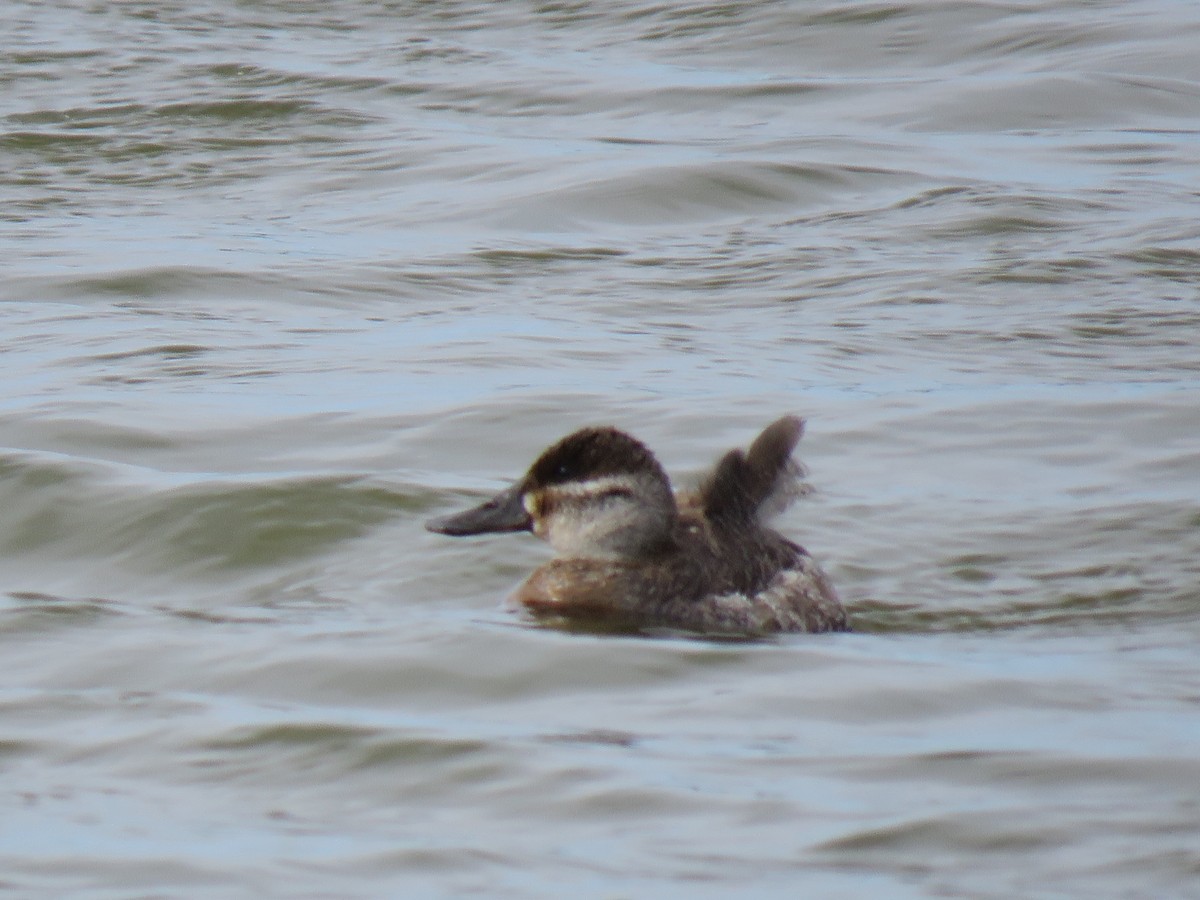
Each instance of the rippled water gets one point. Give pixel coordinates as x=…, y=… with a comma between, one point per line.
x=285, y=278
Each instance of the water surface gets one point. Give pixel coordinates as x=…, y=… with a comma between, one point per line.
x=285, y=279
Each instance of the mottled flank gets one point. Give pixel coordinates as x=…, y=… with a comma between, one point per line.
x=796, y=599
x=632, y=555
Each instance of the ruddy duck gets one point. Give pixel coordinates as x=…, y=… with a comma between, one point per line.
x=631, y=554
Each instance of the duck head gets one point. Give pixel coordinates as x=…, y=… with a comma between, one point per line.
x=597, y=493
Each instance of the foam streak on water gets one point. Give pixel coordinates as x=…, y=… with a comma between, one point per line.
x=284, y=279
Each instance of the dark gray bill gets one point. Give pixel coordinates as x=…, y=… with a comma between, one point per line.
x=504, y=512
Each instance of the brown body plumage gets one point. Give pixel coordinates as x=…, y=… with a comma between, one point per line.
x=630, y=554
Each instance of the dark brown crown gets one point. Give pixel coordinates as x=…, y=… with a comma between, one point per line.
x=593, y=452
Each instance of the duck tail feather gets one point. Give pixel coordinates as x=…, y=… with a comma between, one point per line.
x=758, y=482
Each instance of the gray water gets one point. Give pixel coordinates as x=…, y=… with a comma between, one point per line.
x=283, y=279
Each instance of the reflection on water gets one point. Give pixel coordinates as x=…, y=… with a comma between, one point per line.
x=284, y=279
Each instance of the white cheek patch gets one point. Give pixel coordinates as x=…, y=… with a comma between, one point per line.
x=567, y=531
x=602, y=517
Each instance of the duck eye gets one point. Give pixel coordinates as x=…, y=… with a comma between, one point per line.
x=562, y=470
